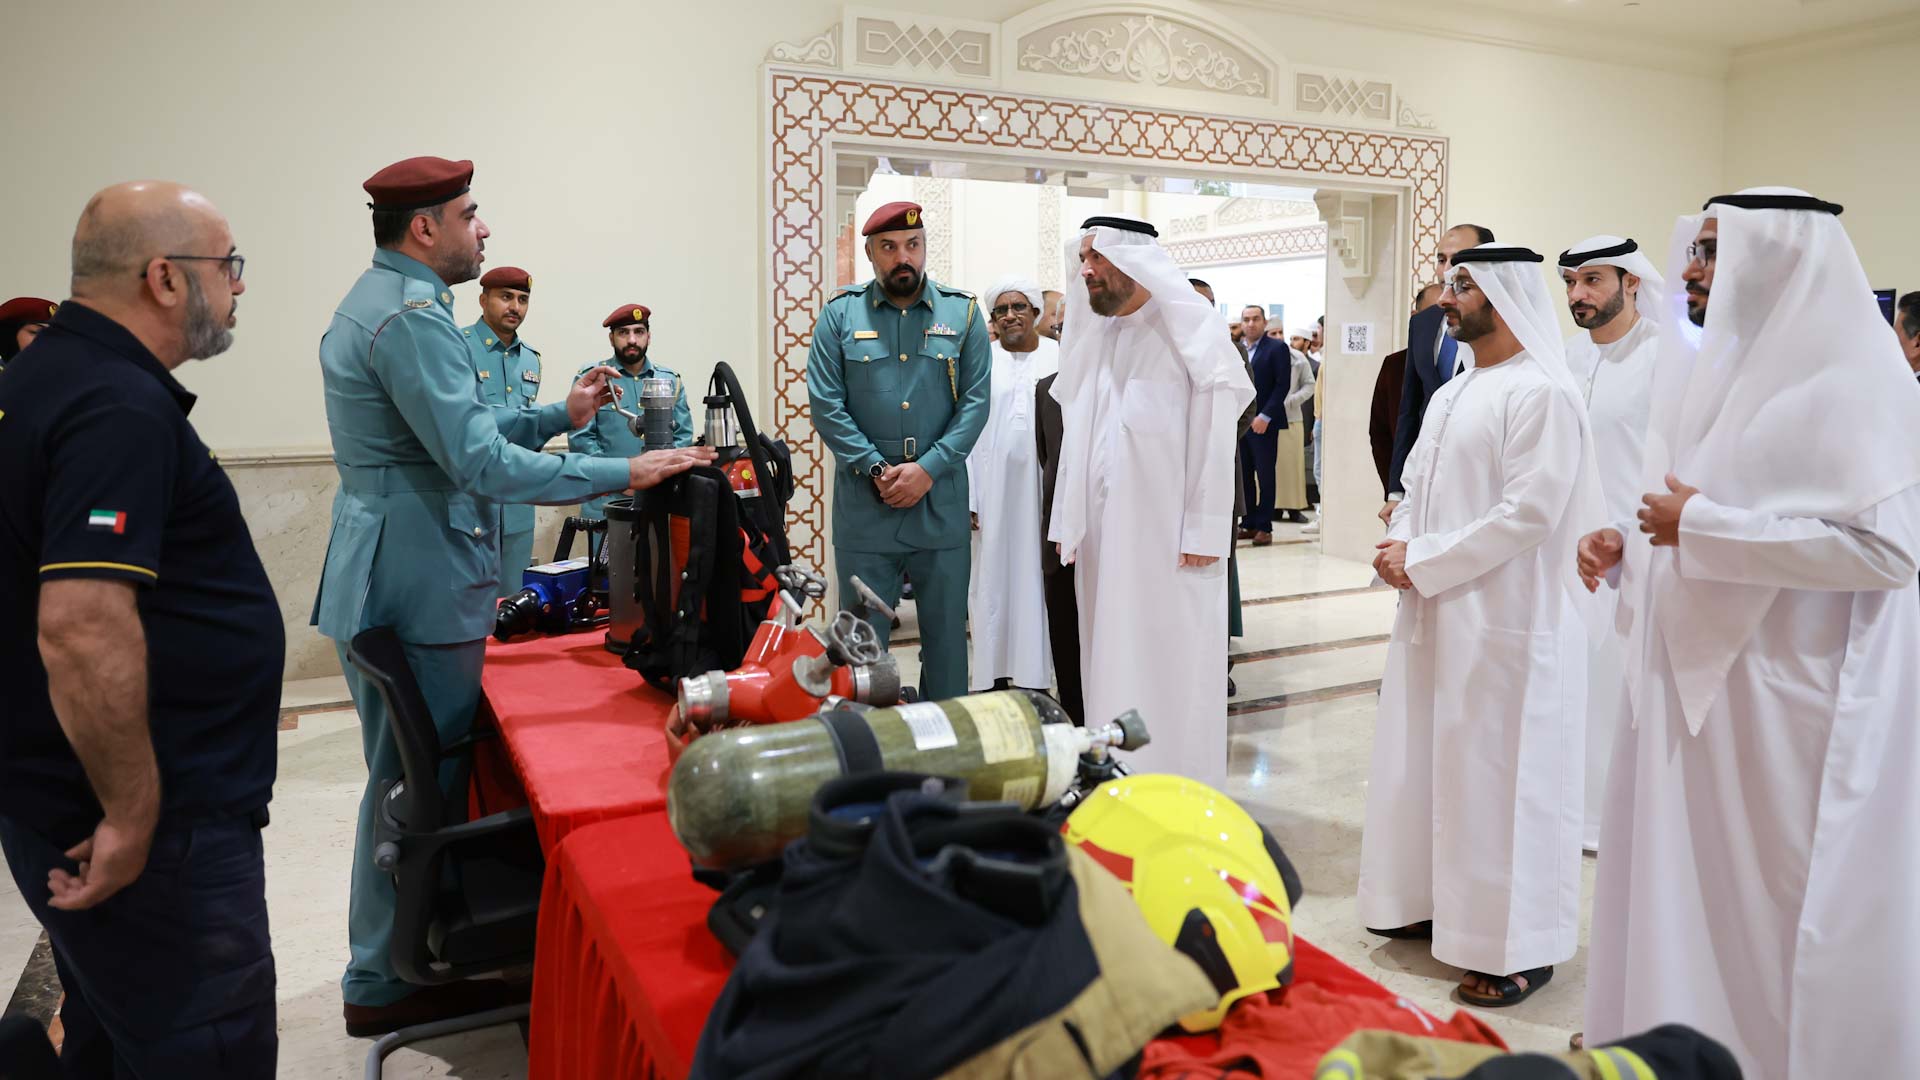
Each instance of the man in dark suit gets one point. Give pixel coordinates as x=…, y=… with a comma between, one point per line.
x=1063, y=604
x=1272, y=365
x=1385, y=415
x=1432, y=356
x=1906, y=323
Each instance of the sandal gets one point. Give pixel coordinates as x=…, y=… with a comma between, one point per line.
x=1420, y=931
x=1506, y=990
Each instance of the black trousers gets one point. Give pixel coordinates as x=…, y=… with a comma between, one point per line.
x=173, y=975
x=1063, y=630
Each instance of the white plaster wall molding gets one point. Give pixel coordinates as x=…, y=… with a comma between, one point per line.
x=1345, y=96
x=900, y=43
x=821, y=50
x=1166, y=51
x=1052, y=256
x=1410, y=117
x=1299, y=242
x=810, y=112
x=1349, y=220
x=1241, y=211
x=935, y=196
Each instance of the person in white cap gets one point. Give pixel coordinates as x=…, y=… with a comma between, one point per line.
x=1150, y=393
x=1006, y=600
x=1611, y=286
x=1762, y=862
x=1474, y=806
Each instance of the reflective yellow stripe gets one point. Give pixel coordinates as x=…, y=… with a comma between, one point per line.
x=100, y=566
x=1603, y=1061
x=1641, y=1070
x=1340, y=1063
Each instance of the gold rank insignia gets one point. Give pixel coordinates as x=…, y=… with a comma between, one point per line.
x=446, y=298
x=913, y=217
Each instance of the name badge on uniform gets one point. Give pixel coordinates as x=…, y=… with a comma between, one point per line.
x=940, y=330
x=530, y=376
x=865, y=335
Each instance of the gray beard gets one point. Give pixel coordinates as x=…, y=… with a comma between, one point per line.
x=207, y=334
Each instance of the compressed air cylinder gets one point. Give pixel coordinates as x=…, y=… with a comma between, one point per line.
x=657, y=398
x=737, y=797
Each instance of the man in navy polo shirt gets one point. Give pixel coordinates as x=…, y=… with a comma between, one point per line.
x=141, y=648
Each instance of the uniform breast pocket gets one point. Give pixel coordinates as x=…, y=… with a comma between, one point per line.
x=870, y=370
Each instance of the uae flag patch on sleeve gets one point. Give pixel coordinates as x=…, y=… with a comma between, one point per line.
x=114, y=521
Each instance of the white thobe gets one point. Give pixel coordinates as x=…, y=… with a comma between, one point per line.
x=1006, y=598
x=1760, y=879
x=1618, y=380
x=1473, y=805
x=1153, y=634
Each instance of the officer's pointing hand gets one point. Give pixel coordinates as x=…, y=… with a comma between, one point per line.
x=656, y=465
x=590, y=391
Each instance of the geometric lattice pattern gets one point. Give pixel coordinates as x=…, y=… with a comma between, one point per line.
x=1306, y=240
x=1343, y=97
x=810, y=111
x=884, y=43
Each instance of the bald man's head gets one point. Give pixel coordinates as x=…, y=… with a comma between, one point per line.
x=158, y=258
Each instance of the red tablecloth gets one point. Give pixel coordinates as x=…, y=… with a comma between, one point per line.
x=627, y=969
x=584, y=734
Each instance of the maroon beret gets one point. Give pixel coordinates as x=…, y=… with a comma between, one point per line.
x=507, y=277
x=893, y=217
x=627, y=314
x=25, y=311
x=418, y=182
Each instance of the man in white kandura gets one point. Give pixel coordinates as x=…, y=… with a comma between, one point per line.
x=1613, y=292
x=1006, y=602
x=1761, y=872
x=1474, y=804
x=1150, y=392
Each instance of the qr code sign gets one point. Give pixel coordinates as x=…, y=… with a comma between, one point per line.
x=1356, y=339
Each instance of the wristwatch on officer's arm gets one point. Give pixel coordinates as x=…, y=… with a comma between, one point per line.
x=877, y=469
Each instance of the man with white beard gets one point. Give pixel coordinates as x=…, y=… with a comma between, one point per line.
x=1006, y=603
x=1473, y=809
x=1609, y=284
x=1762, y=864
x=1150, y=391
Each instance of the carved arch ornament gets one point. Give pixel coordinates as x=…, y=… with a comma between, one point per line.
x=810, y=111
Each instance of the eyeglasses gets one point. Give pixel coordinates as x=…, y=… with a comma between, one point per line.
x=1704, y=254
x=1016, y=308
x=1460, y=287
x=236, y=264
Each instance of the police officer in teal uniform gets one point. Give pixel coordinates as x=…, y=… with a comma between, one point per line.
x=424, y=466
x=507, y=370
x=630, y=332
x=898, y=376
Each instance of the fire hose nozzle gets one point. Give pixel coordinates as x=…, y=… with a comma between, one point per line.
x=703, y=700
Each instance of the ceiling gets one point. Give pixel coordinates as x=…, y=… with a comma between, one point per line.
x=1712, y=27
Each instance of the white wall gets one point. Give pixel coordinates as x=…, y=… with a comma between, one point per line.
x=619, y=157
x=1838, y=122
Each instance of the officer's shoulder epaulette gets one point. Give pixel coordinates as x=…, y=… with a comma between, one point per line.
x=841, y=292
x=662, y=369
x=589, y=366
x=961, y=294
x=534, y=351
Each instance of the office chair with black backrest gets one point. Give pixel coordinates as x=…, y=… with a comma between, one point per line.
x=467, y=893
